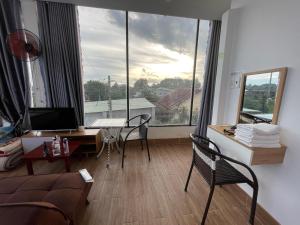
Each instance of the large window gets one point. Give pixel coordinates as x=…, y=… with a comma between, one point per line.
x=161, y=56
x=159, y=52
x=103, y=52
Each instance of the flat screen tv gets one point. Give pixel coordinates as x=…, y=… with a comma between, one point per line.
x=53, y=119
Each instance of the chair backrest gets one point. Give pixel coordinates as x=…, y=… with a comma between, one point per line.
x=205, y=156
x=144, y=124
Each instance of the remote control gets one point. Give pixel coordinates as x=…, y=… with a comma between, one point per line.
x=86, y=175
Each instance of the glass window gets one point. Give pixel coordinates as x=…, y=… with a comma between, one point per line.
x=161, y=57
x=103, y=52
x=200, y=66
x=4, y=123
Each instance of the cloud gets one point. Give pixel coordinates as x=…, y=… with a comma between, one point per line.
x=159, y=46
x=175, y=33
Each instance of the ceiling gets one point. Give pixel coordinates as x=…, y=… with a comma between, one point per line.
x=203, y=9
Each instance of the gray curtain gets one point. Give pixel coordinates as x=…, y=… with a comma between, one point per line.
x=61, y=56
x=206, y=108
x=14, y=86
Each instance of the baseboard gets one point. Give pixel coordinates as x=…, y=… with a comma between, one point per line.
x=261, y=214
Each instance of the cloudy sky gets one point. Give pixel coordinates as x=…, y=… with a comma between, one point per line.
x=159, y=46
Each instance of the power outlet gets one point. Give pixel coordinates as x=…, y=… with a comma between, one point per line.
x=235, y=80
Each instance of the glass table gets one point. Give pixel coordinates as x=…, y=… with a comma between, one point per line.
x=109, y=137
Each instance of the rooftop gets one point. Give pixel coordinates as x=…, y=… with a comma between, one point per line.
x=175, y=98
x=119, y=104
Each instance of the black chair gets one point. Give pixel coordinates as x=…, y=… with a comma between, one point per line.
x=139, y=132
x=216, y=170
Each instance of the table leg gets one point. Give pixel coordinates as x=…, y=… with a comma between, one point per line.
x=118, y=147
x=108, y=155
x=100, y=152
x=29, y=167
x=67, y=164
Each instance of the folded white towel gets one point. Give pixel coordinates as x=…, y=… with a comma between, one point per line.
x=260, y=128
x=260, y=145
x=254, y=136
x=257, y=141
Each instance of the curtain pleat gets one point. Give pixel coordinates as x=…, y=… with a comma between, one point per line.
x=14, y=82
x=59, y=36
x=206, y=106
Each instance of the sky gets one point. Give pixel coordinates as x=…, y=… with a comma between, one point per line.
x=159, y=46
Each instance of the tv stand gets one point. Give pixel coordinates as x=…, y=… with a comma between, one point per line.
x=88, y=138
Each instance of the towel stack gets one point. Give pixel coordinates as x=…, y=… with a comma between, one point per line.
x=261, y=135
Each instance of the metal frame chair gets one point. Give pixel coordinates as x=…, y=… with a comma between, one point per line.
x=141, y=134
x=216, y=170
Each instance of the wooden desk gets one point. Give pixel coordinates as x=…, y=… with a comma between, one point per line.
x=38, y=154
x=87, y=137
x=242, y=152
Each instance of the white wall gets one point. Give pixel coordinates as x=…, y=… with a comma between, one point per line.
x=265, y=34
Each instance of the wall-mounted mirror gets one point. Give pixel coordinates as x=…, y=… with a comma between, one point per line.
x=260, y=96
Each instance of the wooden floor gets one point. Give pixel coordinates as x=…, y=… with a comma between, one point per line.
x=152, y=193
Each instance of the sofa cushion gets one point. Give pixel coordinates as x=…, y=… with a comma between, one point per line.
x=66, y=191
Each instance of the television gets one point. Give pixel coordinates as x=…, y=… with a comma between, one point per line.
x=53, y=119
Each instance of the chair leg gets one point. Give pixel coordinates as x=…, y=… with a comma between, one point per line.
x=148, y=149
x=142, y=145
x=189, y=176
x=253, y=205
x=208, y=204
x=123, y=154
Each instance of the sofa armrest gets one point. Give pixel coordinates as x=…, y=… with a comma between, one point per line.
x=42, y=205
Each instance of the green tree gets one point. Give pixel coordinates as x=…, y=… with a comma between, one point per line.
x=118, y=91
x=174, y=83
x=141, y=84
x=95, y=91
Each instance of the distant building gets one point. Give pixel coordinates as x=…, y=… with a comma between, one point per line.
x=161, y=91
x=176, y=98
x=177, y=103
x=100, y=109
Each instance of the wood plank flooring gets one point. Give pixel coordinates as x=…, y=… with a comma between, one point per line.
x=152, y=193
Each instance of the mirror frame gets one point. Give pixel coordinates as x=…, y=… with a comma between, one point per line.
x=282, y=77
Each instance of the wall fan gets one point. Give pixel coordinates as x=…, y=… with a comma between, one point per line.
x=24, y=45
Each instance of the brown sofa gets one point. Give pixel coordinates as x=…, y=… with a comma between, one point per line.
x=43, y=199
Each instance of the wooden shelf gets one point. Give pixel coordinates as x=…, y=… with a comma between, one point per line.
x=86, y=137
x=242, y=152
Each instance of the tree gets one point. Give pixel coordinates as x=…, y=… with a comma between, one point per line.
x=95, y=91
x=118, y=91
x=173, y=83
x=141, y=84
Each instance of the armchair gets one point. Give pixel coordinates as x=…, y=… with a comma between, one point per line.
x=138, y=132
x=217, y=169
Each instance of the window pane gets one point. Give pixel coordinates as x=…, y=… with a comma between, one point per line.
x=161, y=54
x=200, y=64
x=3, y=123
x=103, y=49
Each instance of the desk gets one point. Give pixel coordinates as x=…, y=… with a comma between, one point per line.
x=34, y=139
x=237, y=150
x=108, y=137
x=37, y=154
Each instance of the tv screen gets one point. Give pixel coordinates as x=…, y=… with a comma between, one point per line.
x=52, y=119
